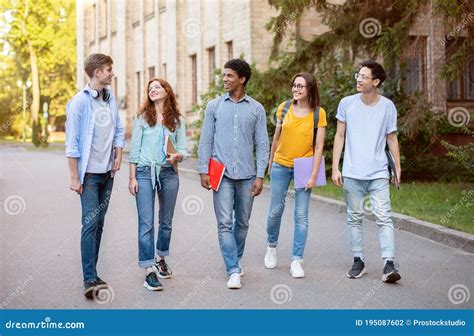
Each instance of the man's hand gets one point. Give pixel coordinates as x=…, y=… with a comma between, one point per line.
x=76, y=185
x=117, y=160
x=257, y=186
x=337, y=177
x=133, y=186
x=399, y=174
x=206, y=181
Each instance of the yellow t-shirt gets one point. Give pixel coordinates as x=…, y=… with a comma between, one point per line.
x=296, y=138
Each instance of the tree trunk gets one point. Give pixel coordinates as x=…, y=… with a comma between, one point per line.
x=35, y=104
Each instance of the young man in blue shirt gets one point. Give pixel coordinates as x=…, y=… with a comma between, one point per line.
x=366, y=123
x=234, y=128
x=94, y=143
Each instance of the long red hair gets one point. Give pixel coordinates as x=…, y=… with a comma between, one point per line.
x=171, y=112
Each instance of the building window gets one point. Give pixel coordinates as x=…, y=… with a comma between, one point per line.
x=115, y=87
x=194, y=79
x=113, y=16
x=163, y=71
x=162, y=6
x=151, y=72
x=414, y=61
x=462, y=87
x=230, y=50
x=211, y=53
x=139, y=88
x=103, y=18
x=93, y=14
x=149, y=8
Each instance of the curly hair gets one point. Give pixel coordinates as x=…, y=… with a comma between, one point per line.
x=171, y=114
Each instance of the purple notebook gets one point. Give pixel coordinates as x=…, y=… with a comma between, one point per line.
x=304, y=167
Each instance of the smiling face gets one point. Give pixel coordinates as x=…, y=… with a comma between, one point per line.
x=232, y=81
x=299, y=89
x=156, y=91
x=104, y=75
x=365, y=81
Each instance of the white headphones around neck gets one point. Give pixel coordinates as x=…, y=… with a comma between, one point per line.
x=96, y=93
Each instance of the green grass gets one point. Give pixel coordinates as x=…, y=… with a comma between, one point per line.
x=447, y=204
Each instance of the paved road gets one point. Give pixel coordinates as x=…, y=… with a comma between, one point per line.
x=40, y=259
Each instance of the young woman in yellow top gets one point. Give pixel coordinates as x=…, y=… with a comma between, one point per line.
x=294, y=139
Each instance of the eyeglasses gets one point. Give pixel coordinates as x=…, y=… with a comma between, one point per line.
x=362, y=76
x=298, y=87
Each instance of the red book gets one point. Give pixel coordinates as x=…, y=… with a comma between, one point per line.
x=216, y=173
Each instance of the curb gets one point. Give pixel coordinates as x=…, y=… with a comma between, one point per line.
x=453, y=238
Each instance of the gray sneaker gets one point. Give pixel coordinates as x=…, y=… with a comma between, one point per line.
x=357, y=270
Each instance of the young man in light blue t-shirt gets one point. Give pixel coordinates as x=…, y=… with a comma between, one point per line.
x=94, y=141
x=366, y=123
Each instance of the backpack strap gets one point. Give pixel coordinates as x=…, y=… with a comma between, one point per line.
x=316, y=121
x=286, y=107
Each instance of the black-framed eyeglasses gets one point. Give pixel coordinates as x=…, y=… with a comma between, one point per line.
x=362, y=76
x=298, y=87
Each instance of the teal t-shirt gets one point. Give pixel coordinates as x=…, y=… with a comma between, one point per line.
x=365, y=140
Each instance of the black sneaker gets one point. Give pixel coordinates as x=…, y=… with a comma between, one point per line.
x=152, y=283
x=90, y=288
x=162, y=269
x=101, y=284
x=357, y=270
x=390, y=273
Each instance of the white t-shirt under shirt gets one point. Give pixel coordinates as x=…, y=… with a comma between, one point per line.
x=365, y=141
x=100, y=159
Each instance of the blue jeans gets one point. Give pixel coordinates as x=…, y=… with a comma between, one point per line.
x=355, y=192
x=280, y=179
x=233, y=206
x=95, y=198
x=145, y=200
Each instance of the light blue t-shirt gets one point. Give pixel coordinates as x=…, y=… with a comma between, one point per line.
x=101, y=160
x=366, y=131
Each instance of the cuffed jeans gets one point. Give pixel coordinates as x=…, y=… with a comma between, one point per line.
x=280, y=179
x=233, y=207
x=167, y=190
x=355, y=192
x=95, y=198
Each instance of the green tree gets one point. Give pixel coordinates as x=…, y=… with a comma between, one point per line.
x=38, y=42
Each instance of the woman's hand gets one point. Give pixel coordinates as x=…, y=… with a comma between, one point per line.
x=310, y=184
x=174, y=158
x=133, y=186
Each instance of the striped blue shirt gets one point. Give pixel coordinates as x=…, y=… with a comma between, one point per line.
x=232, y=133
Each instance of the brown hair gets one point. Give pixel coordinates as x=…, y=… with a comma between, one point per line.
x=171, y=112
x=312, y=86
x=96, y=61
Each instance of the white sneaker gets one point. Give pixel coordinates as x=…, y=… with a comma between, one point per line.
x=242, y=273
x=234, y=281
x=296, y=268
x=271, y=257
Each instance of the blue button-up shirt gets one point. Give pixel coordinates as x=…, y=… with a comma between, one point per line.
x=231, y=133
x=80, y=128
